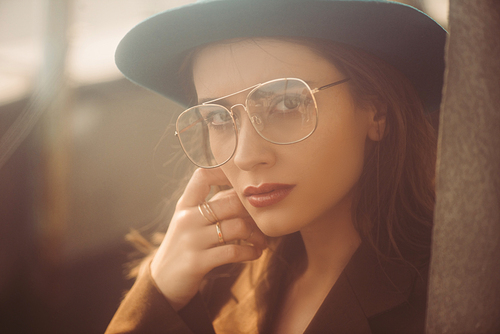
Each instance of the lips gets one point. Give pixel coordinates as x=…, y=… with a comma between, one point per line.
x=267, y=194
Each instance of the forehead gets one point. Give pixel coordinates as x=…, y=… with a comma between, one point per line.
x=224, y=68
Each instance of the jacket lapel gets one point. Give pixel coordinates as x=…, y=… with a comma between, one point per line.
x=340, y=312
x=366, y=287
x=378, y=285
x=239, y=314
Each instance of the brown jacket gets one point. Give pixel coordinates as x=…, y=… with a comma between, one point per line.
x=368, y=297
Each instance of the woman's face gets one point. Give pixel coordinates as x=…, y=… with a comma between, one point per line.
x=288, y=188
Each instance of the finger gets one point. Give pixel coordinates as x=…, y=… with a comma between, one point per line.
x=231, y=230
x=257, y=238
x=226, y=205
x=231, y=253
x=199, y=185
x=236, y=230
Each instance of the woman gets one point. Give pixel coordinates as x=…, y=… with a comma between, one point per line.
x=310, y=114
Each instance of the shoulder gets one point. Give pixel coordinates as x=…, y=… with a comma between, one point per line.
x=408, y=317
x=393, y=295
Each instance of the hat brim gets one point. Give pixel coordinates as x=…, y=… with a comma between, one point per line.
x=152, y=52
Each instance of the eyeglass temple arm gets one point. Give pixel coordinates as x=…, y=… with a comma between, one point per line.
x=315, y=90
x=187, y=127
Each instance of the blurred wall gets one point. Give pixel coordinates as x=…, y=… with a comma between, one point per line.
x=117, y=182
x=116, y=176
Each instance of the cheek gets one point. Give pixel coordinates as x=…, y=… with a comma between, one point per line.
x=228, y=170
x=346, y=148
x=337, y=157
x=232, y=173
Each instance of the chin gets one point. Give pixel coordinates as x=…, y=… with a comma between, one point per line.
x=276, y=221
x=274, y=228
x=273, y=233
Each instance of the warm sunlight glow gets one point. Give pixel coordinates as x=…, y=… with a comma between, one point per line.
x=96, y=28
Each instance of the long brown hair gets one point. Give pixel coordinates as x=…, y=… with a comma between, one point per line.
x=394, y=207
x=394, y=198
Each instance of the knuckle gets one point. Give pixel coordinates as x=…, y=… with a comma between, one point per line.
x=186, y=216
x=178, y=221
x=181, y=215
x=198, y=172
x=202, y=173
x=199, y=175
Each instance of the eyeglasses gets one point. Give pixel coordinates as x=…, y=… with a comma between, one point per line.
x=282, y=111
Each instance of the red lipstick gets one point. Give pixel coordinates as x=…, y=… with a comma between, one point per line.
x=267, y=194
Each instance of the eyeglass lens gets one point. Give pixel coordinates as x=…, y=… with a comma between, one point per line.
x=282, y=111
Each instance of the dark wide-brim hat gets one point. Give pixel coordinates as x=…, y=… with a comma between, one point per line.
x=409, y=40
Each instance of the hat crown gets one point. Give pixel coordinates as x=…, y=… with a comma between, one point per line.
x=152, y=52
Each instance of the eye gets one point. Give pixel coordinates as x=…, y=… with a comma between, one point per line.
x=292, y=102
x=287, y=103
x=219, y=119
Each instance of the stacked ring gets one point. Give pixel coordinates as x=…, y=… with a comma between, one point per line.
x=210, y=211
x=207, y=213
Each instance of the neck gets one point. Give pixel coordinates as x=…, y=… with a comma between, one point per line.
x=330, y=241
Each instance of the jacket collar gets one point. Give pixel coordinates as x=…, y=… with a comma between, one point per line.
x=367, y=286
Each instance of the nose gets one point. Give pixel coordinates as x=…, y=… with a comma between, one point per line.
x=252, y=151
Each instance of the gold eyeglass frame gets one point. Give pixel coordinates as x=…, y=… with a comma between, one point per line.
x=230, y=111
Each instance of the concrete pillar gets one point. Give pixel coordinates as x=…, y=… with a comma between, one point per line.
x=464, y=287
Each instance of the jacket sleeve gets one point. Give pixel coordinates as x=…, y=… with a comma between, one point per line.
x=145, y=310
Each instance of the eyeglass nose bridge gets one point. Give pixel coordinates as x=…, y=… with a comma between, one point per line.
x=238, y=105
x=256, y=121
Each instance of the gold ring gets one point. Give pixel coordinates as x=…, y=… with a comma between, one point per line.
x=204, y=215
x=207, y=212
x=208, y=208
x=219, y=234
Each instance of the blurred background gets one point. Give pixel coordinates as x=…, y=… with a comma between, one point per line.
x=81, y=161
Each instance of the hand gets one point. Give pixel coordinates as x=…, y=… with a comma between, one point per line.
x=191, y=246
